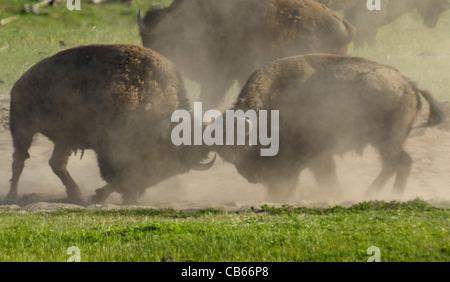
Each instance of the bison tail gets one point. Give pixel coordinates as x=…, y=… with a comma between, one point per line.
x=436, y=115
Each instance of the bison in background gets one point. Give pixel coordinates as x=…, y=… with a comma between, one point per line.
x=329, y=105
x=216, y=42
x=112, y=99
x=367, y=23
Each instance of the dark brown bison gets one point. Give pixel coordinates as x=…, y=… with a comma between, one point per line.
x=327, y=105
x=367, y=23
x=108, y=98
x=216, y=42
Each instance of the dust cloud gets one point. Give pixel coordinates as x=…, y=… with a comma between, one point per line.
x=222, y=186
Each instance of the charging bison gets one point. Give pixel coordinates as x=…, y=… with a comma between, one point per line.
x=329, y=104
x=216, y=42
x=112, y=99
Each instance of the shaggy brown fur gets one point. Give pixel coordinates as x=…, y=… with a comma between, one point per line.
x=329, y=105
x=368, y=22
x=109, y=98
x=218, y=41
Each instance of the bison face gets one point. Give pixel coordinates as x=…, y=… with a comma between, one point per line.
x=431, y=10
x=246, y=161
x=246, y=158
x=189, y=157
x=157, y=33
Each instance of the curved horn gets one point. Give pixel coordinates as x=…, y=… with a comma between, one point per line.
x=139, y=20
x=203, y=167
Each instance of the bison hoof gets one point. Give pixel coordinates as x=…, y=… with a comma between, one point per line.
x=76, y=199
x=12, y=196
x=129, y=199
x=100, y=196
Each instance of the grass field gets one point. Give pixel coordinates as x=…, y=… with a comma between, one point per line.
x=32, y=38
x=411, y=231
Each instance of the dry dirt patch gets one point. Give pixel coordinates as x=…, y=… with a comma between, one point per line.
x=222, y=187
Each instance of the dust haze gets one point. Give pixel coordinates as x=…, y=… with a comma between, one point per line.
x=223, y=187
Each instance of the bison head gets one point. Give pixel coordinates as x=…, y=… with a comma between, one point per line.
x=152, y=18
x=190, y=157
x=245, y=157
x=155, y=17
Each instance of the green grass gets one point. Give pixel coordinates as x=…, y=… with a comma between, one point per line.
x=412, y=231
x=32, y=38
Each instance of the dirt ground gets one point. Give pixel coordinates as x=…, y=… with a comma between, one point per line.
x=222, y=187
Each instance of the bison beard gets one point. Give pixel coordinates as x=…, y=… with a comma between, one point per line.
x=329, y=105
x=108, y=98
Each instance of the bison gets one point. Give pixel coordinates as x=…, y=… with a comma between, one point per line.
x=367, y=23
x=216, y=42
x=329, y=104
x=113, y=99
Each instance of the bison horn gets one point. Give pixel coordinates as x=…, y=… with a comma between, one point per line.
x=206, y=166
x=140, y=23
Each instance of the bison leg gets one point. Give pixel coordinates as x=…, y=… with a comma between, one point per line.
x=117, y=178
x=281, y=189
x=58, y=163
x=130, y=197
x=102, y=194
x=324, y=170
x=403, y=165
x=386, y=173
x=400, y=164
x=21, y=145
x=395, y=159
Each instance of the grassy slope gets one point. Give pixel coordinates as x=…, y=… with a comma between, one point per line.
x=410, y=231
